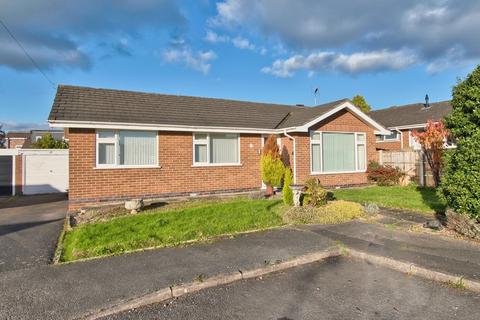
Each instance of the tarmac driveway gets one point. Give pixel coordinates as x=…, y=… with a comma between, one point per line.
x=29, y=229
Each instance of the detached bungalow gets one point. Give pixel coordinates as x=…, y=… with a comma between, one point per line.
x=402, y=120
x=127, y=145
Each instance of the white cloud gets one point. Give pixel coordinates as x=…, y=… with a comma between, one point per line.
x=354, y=63
x=55, y=33
x=238, y=42
x=429, y=28
x=214, y=37
x=242, y=43
x=22, y=126
x=199, y=60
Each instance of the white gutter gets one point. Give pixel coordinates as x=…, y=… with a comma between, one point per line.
x=294, y=156
x=412, y=126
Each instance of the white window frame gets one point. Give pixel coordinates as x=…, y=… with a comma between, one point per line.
x=116, y=141
x=207, y=142
x=384, y=137
x=320, y=142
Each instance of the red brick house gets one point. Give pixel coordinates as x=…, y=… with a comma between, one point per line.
x=142, y=145
x=402, y=120
x=17, y=139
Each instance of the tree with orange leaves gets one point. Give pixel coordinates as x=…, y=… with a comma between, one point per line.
x=432, y=141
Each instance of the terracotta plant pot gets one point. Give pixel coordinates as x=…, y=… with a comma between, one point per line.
x=269, y=191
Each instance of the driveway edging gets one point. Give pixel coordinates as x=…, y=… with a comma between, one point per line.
x=180, y=290
x=412, y=269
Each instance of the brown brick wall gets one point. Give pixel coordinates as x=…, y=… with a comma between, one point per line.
x=343, y=121
x=13, y=143
x=175, y=176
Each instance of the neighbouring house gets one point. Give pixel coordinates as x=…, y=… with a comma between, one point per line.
x=25, y=139
x=126, y=145
x=17, y=139
x=402, y=120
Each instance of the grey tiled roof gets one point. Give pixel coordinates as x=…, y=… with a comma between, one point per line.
x=411, y=114
x=18, y=134
x=73, y=103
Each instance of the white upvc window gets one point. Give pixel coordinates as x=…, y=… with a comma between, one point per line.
x=126, y=149
x=216, y=149
x=394, y=136
x=337, y=152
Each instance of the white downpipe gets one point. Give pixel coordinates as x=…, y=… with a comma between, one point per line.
x=294, y=156
x=14, y=177
x=401, y=137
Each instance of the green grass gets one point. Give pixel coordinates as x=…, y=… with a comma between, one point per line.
x=410, y=197
x=169, y=228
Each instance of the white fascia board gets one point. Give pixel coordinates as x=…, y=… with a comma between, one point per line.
x=44, y=151
x=9, y=152
x=153, y=127
x=411, y=126
x=346, y=105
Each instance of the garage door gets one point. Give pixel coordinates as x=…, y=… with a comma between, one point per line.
x=45, y=171
x=6, y=172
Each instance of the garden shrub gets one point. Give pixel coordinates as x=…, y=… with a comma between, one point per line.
x=271, y=164
x=384, y=175
x=460, y=185
x=315, y=195
x=331, y=213
x=48, y=142
x=300, y=215
x=272, y=170
x=287, y=192
x=339, y=211
x=371, y=208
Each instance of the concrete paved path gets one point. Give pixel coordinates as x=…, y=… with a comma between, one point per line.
x=29, y=230
x=334, y=289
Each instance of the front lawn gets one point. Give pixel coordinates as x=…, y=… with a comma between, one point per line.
x=409, y=197
x=171, y=227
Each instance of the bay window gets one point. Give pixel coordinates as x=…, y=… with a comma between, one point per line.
x=126, y=148
x=336, y=152
x=216, y=148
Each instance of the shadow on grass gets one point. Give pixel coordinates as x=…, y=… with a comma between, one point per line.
x=432, y=200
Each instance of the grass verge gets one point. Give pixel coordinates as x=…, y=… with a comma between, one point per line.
x=413, y=198
x=170, y=228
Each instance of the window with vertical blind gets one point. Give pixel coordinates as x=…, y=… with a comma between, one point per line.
x=337, y=152
x=216, y=148
x=126, y=148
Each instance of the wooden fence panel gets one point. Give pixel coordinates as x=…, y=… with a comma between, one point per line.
x=409, y=161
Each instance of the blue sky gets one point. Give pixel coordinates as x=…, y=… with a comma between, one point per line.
x=392, y=52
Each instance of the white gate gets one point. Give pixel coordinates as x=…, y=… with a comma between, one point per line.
x=45, y=171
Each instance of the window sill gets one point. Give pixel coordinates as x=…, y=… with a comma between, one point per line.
x=337, y=172
x=397, y=140
x=127, y=167
x=203, y=165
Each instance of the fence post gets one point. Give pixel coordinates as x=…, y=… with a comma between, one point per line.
x=380, y=158
x=422, y=169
